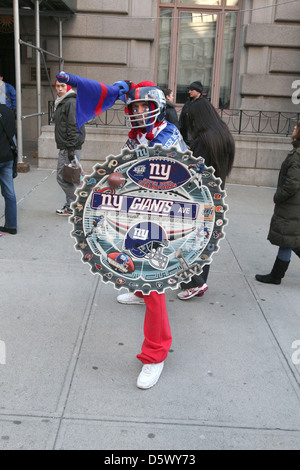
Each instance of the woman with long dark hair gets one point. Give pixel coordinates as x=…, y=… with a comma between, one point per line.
x=213, y=141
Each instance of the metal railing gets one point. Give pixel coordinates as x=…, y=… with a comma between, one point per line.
x=112, y=117
x=259, y=122
x=239, y=121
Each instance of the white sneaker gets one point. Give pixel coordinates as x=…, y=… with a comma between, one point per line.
x=65, y=211
x=192, y=292
x=149, y=375
x=130, y=298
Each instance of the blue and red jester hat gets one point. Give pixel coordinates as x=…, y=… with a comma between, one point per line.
x=93, y=98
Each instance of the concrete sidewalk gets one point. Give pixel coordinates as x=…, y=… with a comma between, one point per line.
x=68, y=375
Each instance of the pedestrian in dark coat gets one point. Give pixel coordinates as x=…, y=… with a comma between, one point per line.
x=285, y=223
x=171, y=113
x=68, y=140
x=195, y=92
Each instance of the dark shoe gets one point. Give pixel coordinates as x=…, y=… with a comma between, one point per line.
x=267, y=279
x=297, y=253
x=12, y=231
x=277, y=273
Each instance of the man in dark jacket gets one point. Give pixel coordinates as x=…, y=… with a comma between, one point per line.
x=171, y=113
x=6, y=170
x=195, y=91
x=68, y=139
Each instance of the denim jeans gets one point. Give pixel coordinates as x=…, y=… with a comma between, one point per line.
x=68, y=188
x=285, y=253
x=8, y=192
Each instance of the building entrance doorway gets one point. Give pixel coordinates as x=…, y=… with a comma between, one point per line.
x=7, y=49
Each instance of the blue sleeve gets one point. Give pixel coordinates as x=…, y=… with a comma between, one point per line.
x=11, y=92
x=93, y=98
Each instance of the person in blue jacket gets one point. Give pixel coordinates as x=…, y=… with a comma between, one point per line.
x=7, y=94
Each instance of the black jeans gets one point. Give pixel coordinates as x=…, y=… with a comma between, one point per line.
x=197, y=280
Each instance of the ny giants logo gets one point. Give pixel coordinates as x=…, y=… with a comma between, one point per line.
x=160, y=171
x=140, y=234
x=159, y=174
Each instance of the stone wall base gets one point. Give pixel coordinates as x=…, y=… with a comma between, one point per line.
x=257, y=162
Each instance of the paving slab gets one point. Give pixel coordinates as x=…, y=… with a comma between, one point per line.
x=28, y=433
x=224, y=366
x=163, y=438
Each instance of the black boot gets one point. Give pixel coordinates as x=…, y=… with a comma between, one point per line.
x=277, y=273
x=297, y=253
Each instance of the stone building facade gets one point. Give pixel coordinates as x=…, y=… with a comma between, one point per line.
x=245, y=52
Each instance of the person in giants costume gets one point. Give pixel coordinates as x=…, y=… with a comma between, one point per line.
x=145, y=110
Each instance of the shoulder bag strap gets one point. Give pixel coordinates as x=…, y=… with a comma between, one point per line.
x=5, y=96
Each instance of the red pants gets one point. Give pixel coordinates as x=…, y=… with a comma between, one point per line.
x=157, y=329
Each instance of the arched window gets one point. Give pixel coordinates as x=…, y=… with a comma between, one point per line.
x=197, y=41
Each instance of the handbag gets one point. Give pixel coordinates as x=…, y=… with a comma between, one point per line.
x=13, y=149
x=71, y=174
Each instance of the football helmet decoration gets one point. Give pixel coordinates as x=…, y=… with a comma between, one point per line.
x=147, y=240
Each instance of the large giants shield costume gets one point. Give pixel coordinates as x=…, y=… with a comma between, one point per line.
x=154, y=223
x=151, y=217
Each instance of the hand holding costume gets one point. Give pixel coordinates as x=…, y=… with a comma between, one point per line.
x=71, y=154
x=124, y=86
